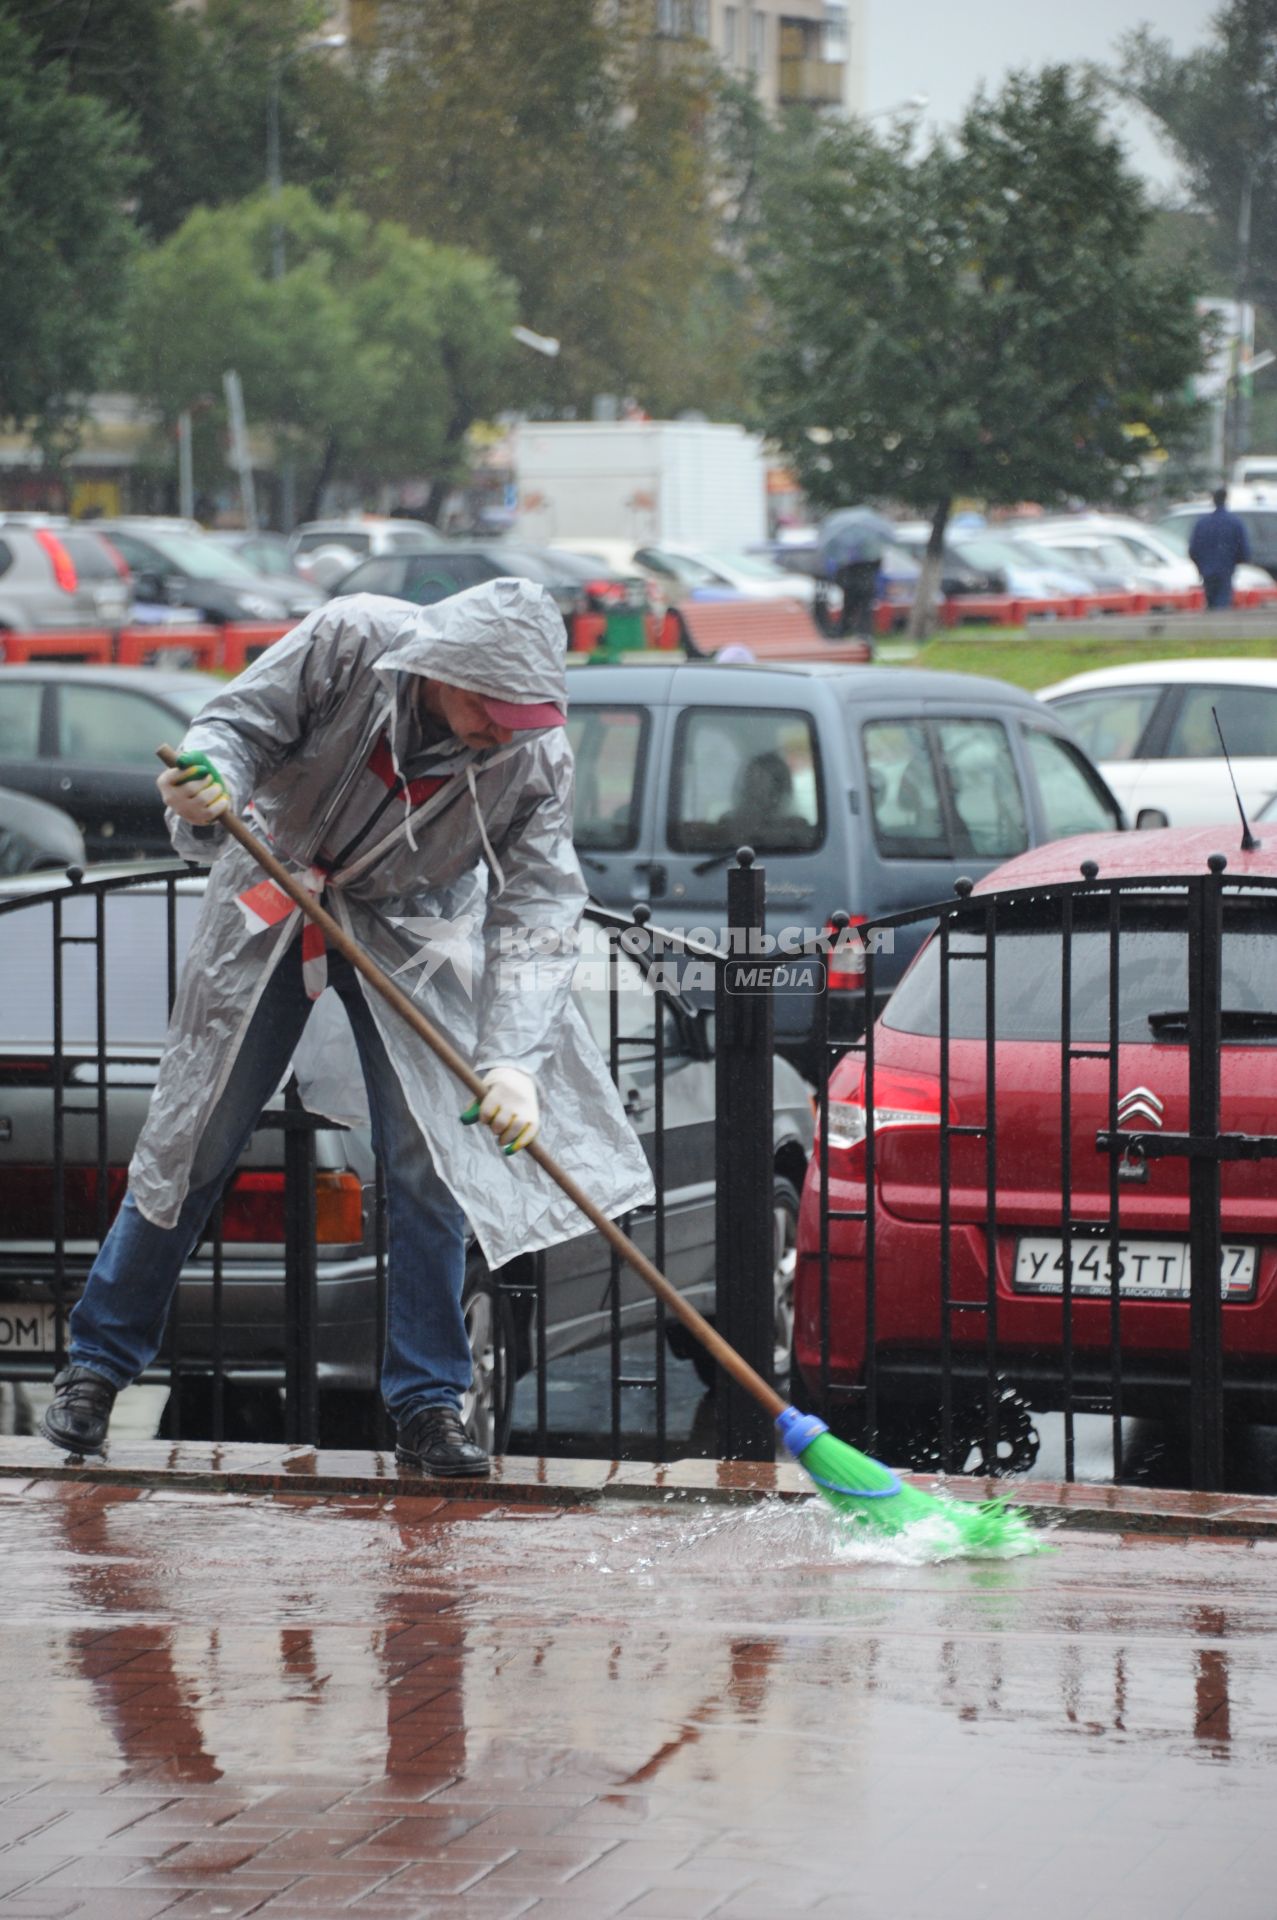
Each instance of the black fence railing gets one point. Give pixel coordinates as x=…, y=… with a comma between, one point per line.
x=1039, y=1186
x=280, y=1313
x=1042, y=1178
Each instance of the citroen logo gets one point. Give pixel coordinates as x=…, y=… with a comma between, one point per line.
x=1140, y=1104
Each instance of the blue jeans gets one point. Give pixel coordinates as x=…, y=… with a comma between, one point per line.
x=1219, y=589
x=118, y=1323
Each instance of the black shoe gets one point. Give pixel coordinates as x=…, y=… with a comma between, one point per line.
x=433, y=1440
x=77, y=1416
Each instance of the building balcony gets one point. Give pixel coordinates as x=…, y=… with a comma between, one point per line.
x=810, y=83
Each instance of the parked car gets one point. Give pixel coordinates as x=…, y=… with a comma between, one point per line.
x=323, y=550
x=579, y=587
x=432, y=574
x=746, y=576
x=61, y=576
x=1110, y=566
x=958, y=575
x=33, y=836
x=1160, y=561
x=861, y=789
x=1150, y=731
x=1257, y=510
x=269, y=554
x=910, y=1202
x=1030, y=572
x=501, y=1322
x=193, y=570
x=84, y=739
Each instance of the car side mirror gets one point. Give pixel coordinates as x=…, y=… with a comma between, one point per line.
x=148, y=586
x=1149, y=818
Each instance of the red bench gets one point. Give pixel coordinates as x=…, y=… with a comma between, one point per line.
x=90, y=645
x=146, y=646
x=242, y=645
x=771, y=629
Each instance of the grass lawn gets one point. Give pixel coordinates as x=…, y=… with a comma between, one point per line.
x=1035, y=657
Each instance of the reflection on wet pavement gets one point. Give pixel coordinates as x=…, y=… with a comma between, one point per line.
x=405, y=1707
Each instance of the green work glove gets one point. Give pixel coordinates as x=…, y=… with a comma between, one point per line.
x=196, y=763
x=195, y=789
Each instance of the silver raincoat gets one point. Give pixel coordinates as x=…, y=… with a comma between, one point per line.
x=466, y=889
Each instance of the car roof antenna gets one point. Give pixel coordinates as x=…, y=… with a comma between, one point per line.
x=1249, y=842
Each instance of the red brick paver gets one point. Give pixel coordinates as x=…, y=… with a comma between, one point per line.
x=224, y=1703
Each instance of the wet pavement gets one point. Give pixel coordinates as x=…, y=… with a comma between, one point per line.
x=238, y=1683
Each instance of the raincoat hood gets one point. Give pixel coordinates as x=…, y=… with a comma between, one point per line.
x=505, y=639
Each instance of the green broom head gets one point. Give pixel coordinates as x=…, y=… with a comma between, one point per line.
x=866, y=1491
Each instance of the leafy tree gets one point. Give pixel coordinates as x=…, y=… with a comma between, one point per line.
x=195, y=85
x=370, y=357
x=568, y=143
x=1218, y=110
x=981, y=321
x=65, y=237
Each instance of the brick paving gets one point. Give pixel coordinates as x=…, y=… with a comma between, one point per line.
x=248, y=1686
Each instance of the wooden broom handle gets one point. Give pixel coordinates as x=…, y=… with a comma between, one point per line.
x=727, y=1357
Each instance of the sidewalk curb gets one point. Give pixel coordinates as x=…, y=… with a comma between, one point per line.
x=304, y=1473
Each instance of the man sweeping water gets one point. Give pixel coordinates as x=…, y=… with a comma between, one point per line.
x=411, y=766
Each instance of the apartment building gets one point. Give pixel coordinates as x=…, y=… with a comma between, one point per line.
x=796, y=52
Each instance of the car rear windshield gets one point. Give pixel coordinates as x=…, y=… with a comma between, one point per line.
x=92, y=557
x=1152, y=975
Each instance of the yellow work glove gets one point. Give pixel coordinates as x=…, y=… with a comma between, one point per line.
x=509, y=1106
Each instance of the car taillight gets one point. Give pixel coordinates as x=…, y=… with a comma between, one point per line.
x=63, y=566
x=254, y=1208
x=846, y=971
x=902, y=1100
x=27, y=1195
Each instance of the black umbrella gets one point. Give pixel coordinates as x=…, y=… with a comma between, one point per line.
x=852, y=535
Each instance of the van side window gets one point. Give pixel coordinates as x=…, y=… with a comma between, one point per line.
x=610, y=745
x=904, y=796
x=979, y=808
x=984, y=788
x=1071, y=801
x=745, y=777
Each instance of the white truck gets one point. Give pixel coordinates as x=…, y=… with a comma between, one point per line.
x=642, y=481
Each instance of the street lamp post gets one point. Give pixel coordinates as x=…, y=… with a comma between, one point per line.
x=275, y=186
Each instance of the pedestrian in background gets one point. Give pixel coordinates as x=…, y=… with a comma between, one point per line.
x=1219, y=543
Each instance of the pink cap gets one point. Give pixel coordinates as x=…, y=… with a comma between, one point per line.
x=520, y=718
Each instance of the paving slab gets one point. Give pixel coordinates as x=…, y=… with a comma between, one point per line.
x=243, y=1682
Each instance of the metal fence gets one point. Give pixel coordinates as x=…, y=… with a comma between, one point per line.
x=277, y=1335
x=1028, y=1196
x=1021, y=1188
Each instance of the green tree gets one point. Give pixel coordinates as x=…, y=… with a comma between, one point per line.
x=567, y=142
x=195, y=83
x=1218, y=111
x=982, y=321
x=370, y=357
x=66, y=172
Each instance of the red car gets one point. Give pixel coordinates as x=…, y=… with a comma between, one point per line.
x=1150, y=1096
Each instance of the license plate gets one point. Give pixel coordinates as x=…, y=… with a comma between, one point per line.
x=1147, y=1269
x=26, y=1329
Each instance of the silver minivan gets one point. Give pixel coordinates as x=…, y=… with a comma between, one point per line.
x=865, y=790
